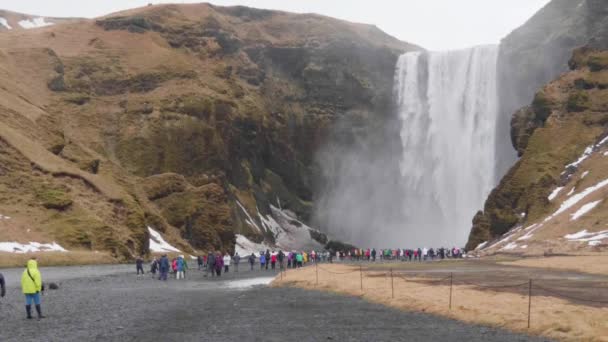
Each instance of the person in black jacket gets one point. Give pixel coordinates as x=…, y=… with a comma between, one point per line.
x=2, y=286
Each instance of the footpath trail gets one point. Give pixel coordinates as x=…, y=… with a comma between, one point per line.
x=110, y=303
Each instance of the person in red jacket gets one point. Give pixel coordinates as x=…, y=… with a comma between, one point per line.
x=273, y=260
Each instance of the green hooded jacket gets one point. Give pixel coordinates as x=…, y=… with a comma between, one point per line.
x=31, y=282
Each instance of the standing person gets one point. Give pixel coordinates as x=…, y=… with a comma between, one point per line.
x=237, y=260
x=267, y=257
x=273, y=260
x=227, y=260
x=199, y=260
x=2, y=286
x=281, y=258
x=219, y=263
x=289, y=259
x=179, y=267
x=154, y=266
x=174, y=266
x=251, y=261
x=164, y=267
x=374, y=254
x=262, y=260
x=211, y=264
x=31, y=285
x=139, y=264
x=299, y=259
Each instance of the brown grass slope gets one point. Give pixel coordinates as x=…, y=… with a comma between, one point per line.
x=166, y=115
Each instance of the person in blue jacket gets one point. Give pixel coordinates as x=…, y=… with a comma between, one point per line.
x=163, y=267
x=262, y=260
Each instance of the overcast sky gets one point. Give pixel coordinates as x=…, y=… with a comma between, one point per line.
x=433, y=24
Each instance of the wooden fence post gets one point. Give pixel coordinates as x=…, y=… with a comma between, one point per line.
x=392, y=285
x=361, y=276
x=451, y=285
x=529, y=301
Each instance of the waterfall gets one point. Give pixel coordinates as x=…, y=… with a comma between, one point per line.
x=447, y=104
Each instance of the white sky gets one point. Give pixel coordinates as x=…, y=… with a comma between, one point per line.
x=433, y=24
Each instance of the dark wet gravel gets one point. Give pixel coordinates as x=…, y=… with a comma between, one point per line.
x=119, y=306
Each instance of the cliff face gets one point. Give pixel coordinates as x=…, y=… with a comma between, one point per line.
x=537, y=52
x=191, y=119
x=558, y=187
x=564, y=118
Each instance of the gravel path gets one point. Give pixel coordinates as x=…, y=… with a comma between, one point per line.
x=106, y=303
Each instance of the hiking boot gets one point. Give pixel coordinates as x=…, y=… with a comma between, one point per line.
x=39, y=311
x=28, y=309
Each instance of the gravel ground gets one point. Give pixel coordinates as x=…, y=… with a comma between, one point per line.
x=107, y=303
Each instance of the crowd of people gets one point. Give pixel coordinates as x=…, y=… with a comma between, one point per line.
x=216, y=263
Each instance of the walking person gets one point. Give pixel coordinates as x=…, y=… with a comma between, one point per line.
x=211, y=264
x=227, y=260
x=262, y=260
x=163, y=267
x=267, y=258
x=31, y=285
x=237, y=260
x=281, y=258
x=199, y=260
x=219, y=263
x=180, y=267
x=139, y=264
x=251, y=261
x=154, y=266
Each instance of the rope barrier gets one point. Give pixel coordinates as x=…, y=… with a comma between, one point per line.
x=495, y=286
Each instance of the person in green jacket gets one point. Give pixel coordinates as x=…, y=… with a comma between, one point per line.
x=31, y=284
x=299, y=259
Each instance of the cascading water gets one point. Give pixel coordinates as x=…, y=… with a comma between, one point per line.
x=448, y=108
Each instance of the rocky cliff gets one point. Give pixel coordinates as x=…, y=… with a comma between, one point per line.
x=199, y=121
x=537, y=53
x=564, y=118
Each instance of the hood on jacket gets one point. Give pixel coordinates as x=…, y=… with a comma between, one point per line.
x=32, y=265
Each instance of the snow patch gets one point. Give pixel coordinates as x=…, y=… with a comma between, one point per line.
x=15, y=247
x=592, y=238
x=34, y=23
x=588, y=151
x=524, y=247
x=571, y=191
x=554, y=193
x=584, y=174
x=584, y=209
x=249, y=219
x=245, y=247
x=570, y=202
x=2, y=217
x=247, y=283
x=509, y=246
x=158, y=244
x=606, y=154
x=481, y=245
x=4, y=23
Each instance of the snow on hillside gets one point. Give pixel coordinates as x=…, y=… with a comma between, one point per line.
x=592, y=238
x=34, y=23
x=158, y=244
x=245, y=247
x=4, y=23
x=15, y=247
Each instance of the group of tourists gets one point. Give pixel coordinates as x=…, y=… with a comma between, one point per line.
x=403, y=254
x=31, y=287
x=214, y=263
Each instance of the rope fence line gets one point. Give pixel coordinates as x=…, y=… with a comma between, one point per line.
x=530, y=284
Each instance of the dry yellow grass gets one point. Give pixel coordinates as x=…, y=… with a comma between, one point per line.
x=597, y=264
x=551, y=317
x=57, y=258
